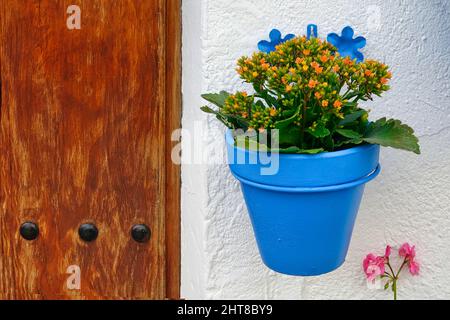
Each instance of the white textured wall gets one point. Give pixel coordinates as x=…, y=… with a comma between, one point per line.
x=410, y=201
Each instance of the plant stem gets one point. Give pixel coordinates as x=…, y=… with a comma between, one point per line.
x=302, y=133
x=394, y=288
x=390, y=268
x=395, y=277
x=401, y=268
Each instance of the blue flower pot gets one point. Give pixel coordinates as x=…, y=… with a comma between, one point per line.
x=303, y=215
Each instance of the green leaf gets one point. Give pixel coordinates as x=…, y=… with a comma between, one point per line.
x=328, y=143
x=350, y=104
x=216, y=98
x=392, y=133
x=261, y=104
x=208, y=110
x=231, y=121
x=311, y=151
x=224, y=120
x=288, y=113
x=386, y=286
x=352, y=95
x=297, y=150
x=349, y=133
x=271, y=101
x=349, y=142
x=319, y=132
x=239, y=122
x=288, y=137
x=291, y=150
x=286, y=122
x=251, y=144
x=352, y=117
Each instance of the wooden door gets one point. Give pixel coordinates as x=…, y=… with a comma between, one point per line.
x=89, y=97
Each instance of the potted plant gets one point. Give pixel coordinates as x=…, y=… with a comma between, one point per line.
x=305, y=114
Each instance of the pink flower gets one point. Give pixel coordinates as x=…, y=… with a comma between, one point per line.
x=388, y=252
x=414, y=268
x=373, y=266
x=409, y=253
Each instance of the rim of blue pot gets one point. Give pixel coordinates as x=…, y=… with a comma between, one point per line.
x=332, y=188
x=324, y=155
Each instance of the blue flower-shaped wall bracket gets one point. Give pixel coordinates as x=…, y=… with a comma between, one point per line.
x=346, y=45
x=312, y=31
x=275, y=39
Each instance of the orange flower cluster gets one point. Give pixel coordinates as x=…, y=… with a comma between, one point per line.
x=311, y=95
x=310, y=73
x=243, y=106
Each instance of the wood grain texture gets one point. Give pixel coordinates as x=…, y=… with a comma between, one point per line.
x=84, y=139
x=173, y=122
